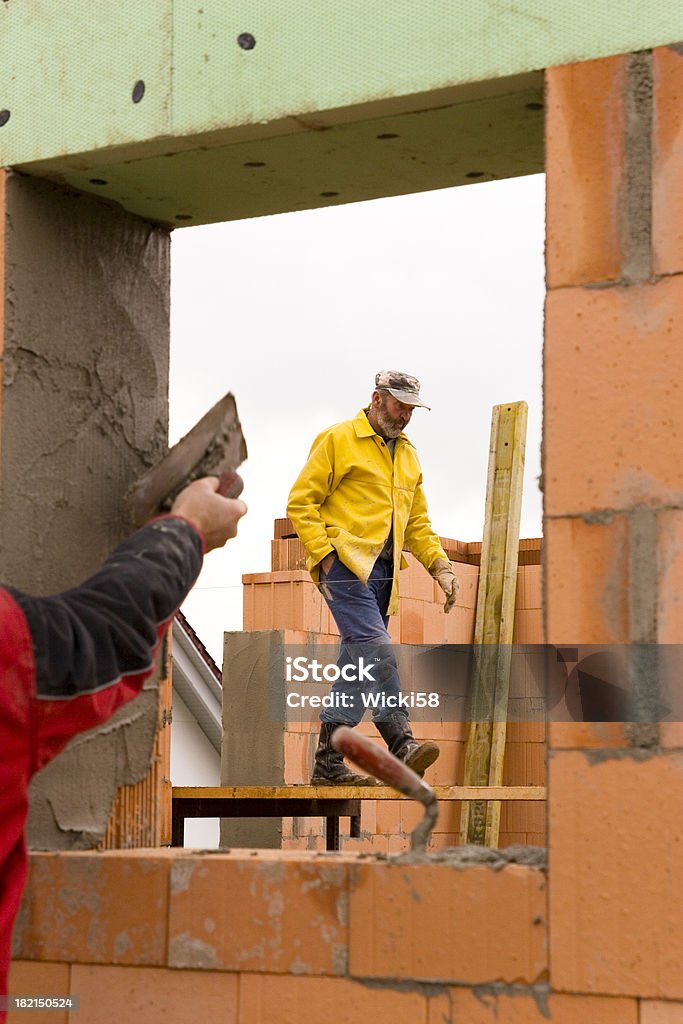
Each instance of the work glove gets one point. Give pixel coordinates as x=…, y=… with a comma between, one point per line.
x=450, y=584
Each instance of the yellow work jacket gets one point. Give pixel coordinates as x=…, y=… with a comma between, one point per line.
x=351, y=491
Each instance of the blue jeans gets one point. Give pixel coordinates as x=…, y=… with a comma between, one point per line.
x=361, y=615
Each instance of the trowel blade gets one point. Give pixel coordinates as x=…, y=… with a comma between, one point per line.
x=215, y=445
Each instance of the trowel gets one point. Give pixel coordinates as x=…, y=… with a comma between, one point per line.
x=388, y=769
x=214, y=447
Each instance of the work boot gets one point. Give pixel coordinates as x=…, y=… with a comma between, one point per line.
x=329, y=768
x=398, y=736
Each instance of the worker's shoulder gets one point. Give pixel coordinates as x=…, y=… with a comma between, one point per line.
x=345, y=430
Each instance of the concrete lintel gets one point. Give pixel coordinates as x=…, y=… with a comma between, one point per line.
x=437, y=140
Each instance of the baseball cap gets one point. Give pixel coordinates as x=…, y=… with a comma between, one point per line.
x=401, y=385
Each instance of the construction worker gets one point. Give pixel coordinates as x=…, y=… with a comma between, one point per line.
x=356, y=504
x=68, y=662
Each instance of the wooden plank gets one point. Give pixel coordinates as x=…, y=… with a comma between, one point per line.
x=507, y=618
x=353, y=793
x=494, y=621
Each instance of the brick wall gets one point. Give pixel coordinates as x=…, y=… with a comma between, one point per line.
x=286, y=602
x=614, y=514
x=246, y=937
x=252, y=936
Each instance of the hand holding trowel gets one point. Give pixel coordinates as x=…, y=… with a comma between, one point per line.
x=214, y=447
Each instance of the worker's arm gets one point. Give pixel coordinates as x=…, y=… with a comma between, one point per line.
x=94, y=645
x=419, y=537
x=421, y=540
x=313, y=485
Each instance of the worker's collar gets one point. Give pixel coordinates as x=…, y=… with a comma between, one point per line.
x=363, y=428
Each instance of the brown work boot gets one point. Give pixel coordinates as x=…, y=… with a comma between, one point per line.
x=398, y=736
x=329, y=768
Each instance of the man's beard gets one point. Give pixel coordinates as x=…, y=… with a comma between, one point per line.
x=388, y=426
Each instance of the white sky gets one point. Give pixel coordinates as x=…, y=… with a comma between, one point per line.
x=296, y=313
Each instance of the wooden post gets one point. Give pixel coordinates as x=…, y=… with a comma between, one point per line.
x=485, y=750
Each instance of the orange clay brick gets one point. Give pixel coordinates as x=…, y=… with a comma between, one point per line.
x=284, y=600
x=458, y=625
x=469, y=580
x=415, y=581
x=462, y=1004
x=110, y=995
x=671, y=735
x=524, y=764
x=368, y=816
x=287, y=554
x=511, y=838
x=259, y=913
x=523, y=816
x=444, y=840
x=366, y=844
x=587, y=581
x=269, y=578
x=656, y=1012
x=424, y=730
x=449, y=816
x=670, y=570
x=27, y=978
x=434, y=624
x=290, y=843
x=610, y=409
x=667, y=169
x=373, y=843
x=586, y=735
x=438, y=731
x=532, y=586
x=584, y=165
x=388, y=816
x=260, y=607
x=302, y=828
x=616, y=877
x=247, y=608
x=406, y=921
x=412, y=621
x=283, y=527
x=411, y=813
x=108, y=907
x=528, y=626
x=294, y=1000
x=397, y=844
x=526, y=732
x=520, y=590
x=528, y=675
x=448, y=769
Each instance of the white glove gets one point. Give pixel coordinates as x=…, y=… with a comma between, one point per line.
x=443, y=573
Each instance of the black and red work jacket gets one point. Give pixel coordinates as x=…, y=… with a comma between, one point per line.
x=68, y=662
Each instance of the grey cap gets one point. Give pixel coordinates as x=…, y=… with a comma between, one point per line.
x=401, y=385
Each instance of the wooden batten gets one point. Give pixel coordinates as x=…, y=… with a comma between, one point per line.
x=494, y=622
